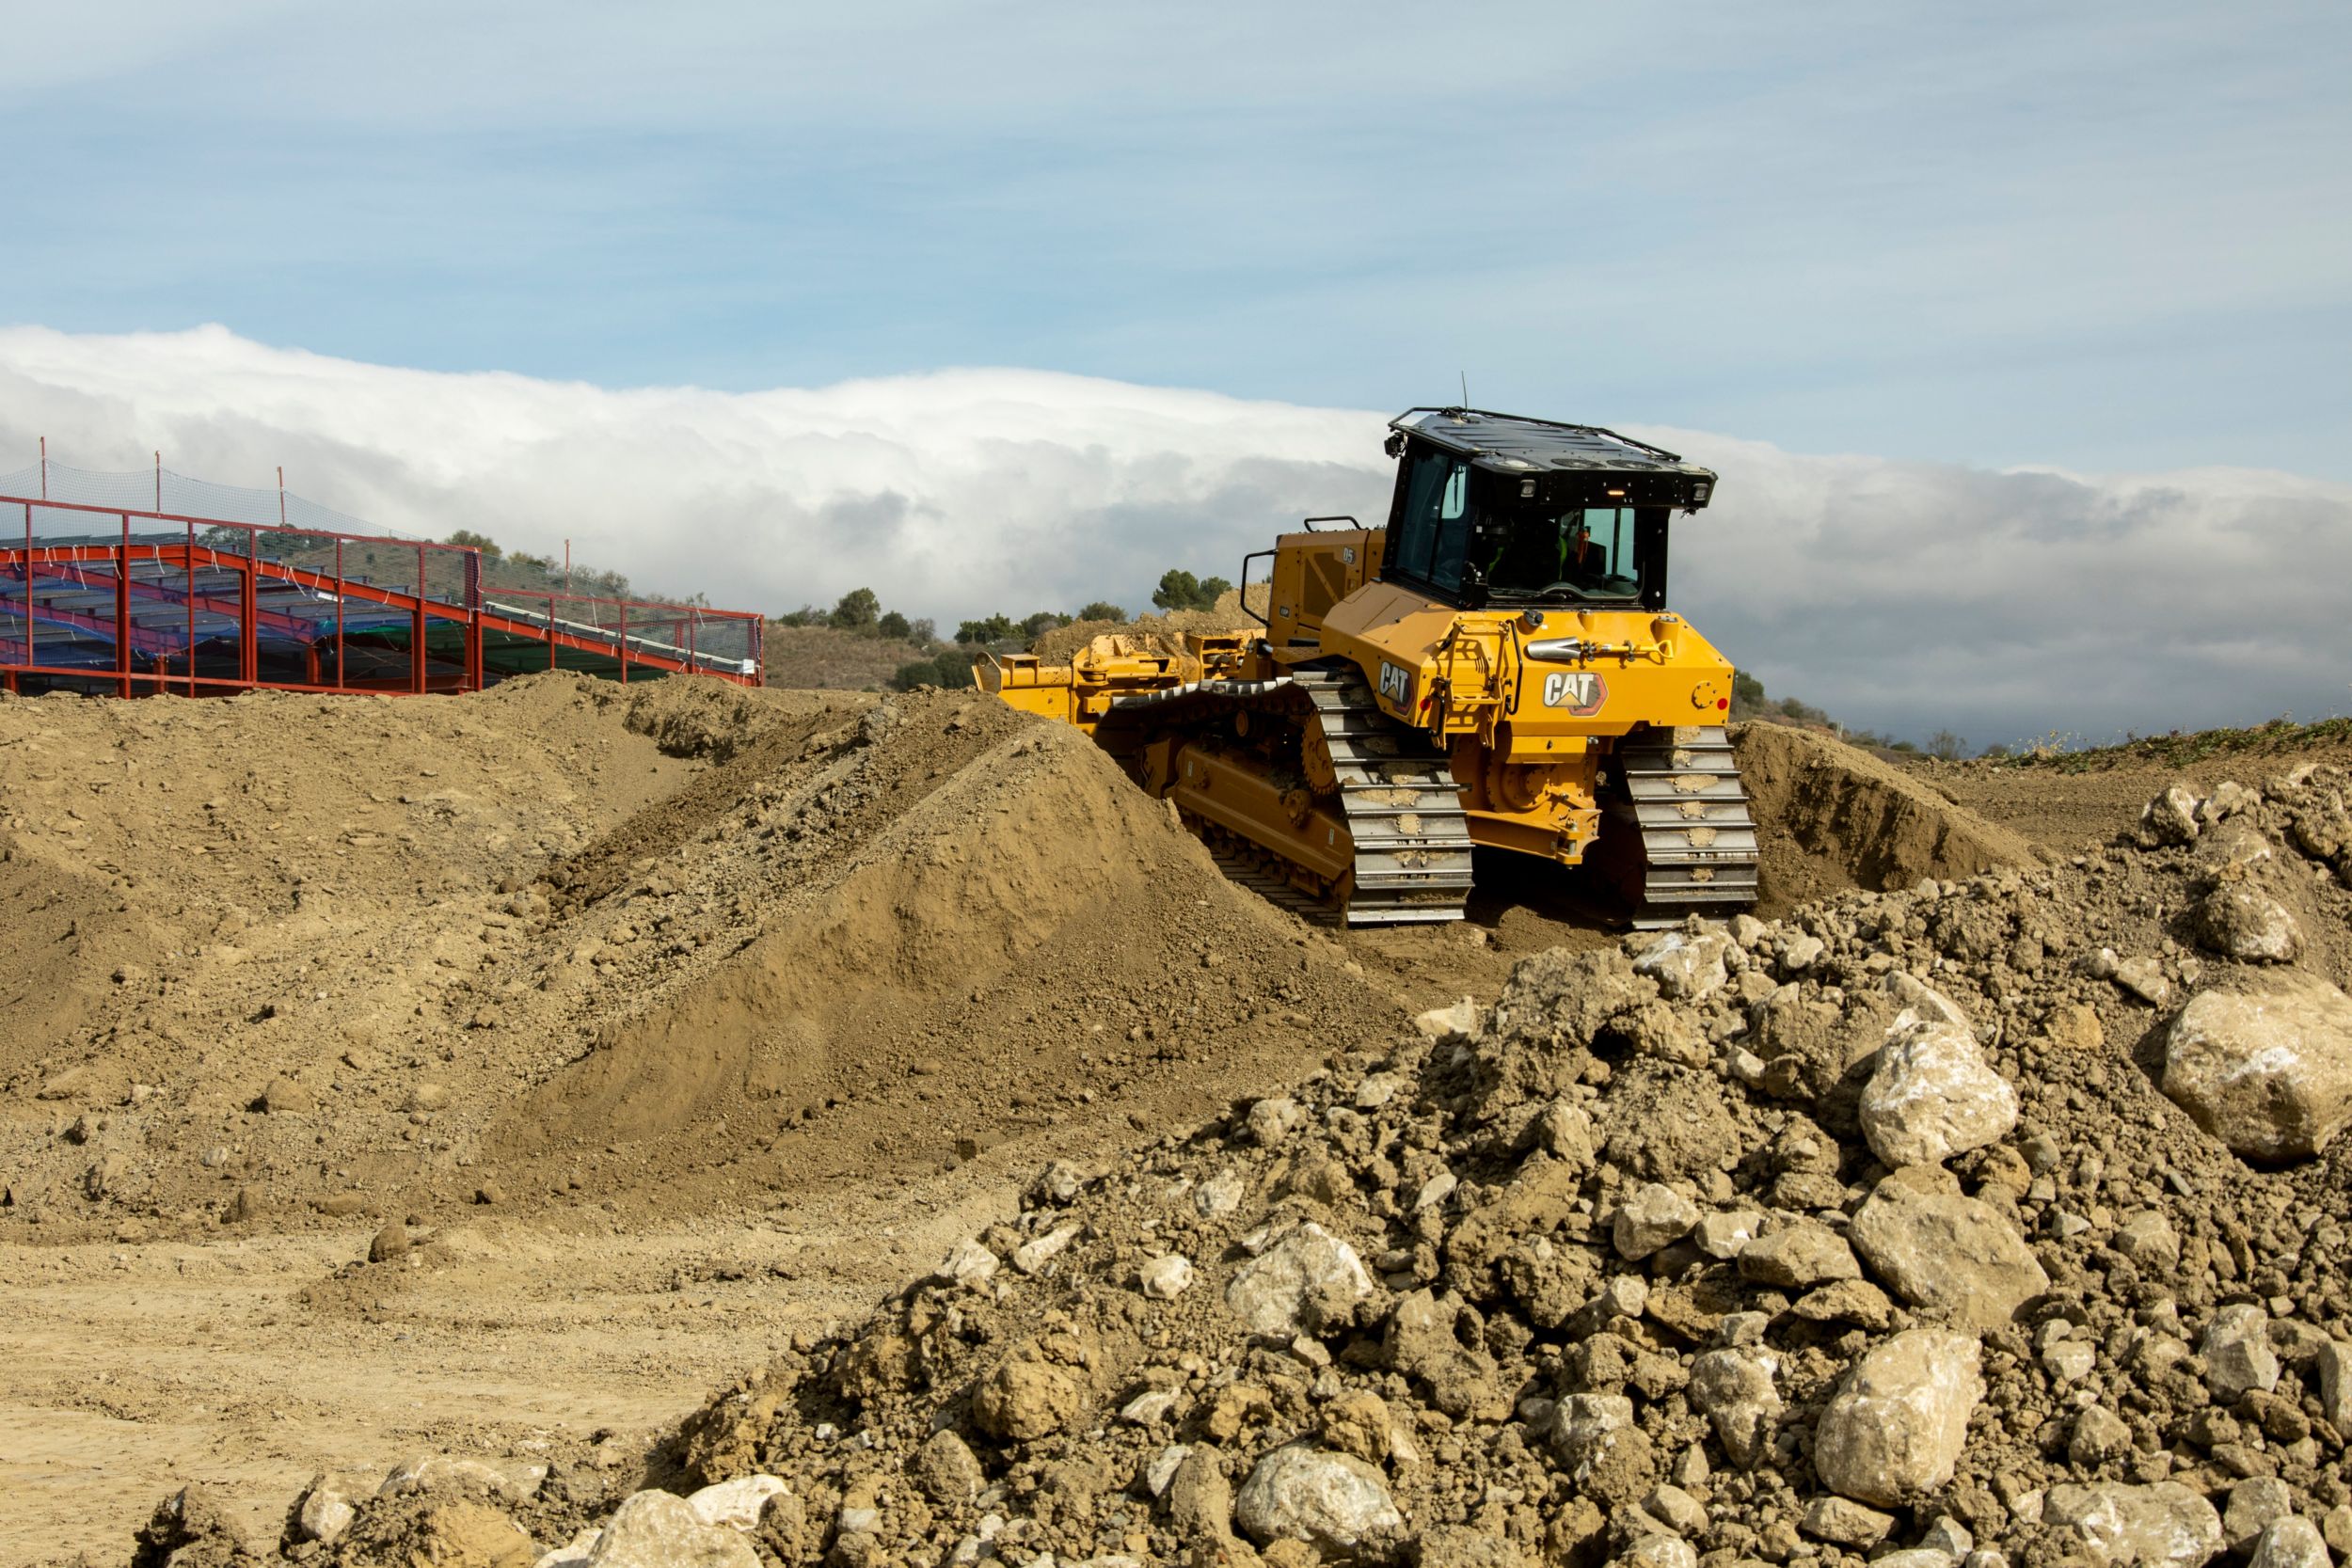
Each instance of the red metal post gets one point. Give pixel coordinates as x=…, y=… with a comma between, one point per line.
x=122, y=611
x=31, y=654
x=249, y=651
x=189, y=558
x=415, y=630
x=339, y=614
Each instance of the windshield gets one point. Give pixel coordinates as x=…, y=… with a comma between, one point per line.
x=1534, y=552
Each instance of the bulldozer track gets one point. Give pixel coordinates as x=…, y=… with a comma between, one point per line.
x=1682, y=795
x=1411, y=839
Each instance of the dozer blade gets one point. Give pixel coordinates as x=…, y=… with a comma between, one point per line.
x=1684, y=805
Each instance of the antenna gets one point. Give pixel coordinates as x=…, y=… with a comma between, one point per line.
x=1466, y=389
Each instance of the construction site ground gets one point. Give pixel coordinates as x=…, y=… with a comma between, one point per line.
x=673, y=1022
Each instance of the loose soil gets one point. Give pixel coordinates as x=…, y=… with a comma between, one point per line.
x=670, y=1021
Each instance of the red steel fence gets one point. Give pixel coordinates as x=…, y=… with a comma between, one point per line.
x=109, y=598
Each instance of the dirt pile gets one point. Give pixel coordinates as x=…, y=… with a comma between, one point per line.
x=1832, y=817
x=1058, y=644
x=285, y=959
x=1872, y=1227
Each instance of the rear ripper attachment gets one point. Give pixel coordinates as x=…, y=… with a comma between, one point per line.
x=1306, y=791
x=1680, y=836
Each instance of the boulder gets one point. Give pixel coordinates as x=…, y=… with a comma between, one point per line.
x=1685, y=967
x=1271, y=1120
x=1653, y=1216
x=325, y=1512
x=1946, y=1253
x=1735, y=1390
x=1894, y=1427
x=947, y=1471
x=2169, y=818
x=1165, y=1277
x=2242, y=922
x=2292, y=1542
x=2238, y=1354
x=734, y=1504
x=1798, y=1256
x=661, y=1529
x=970, y=1265
x=1333, y=1501
x=2334, y=1365
x=1658, y=1551
x=2267, y=1067
x=1025, y=1399
x=2166, y=1525
x=1845, y=1523
x=1308, y=1279
x=1932, y=1096
x=2254, y=1505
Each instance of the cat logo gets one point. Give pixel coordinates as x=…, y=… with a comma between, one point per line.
x=1580, y=691
x=1396, y=684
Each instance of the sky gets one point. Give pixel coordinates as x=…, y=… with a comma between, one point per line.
x=1112, y=286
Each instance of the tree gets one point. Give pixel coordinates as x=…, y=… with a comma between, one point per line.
x=1747, y=694
x=924, y=632
x=1043, y=620
x=1101, y=610
x=1178, y=589
x=477, y=541
x=1945, y=747
x=858, y=610
x=996, y=628
x=1211, y=590
x=894, y=625
x=950, y=669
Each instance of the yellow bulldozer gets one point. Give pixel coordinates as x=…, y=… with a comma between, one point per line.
x=1495, y=667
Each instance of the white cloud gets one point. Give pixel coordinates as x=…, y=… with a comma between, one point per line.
x=1900, y=594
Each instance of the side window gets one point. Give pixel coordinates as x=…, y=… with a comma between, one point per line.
x=1436, y=495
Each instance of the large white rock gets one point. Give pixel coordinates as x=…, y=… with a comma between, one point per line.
x=2237, y=1354
x=1165, y=1277
x=2163, y=1525
x=660, y=1529
x=734, y=1504
x=2267, y=1067
x=325, y=1511
x=1333, y=1500
x=1307, y=1277
x=1685, y=967
x=2247, y=923
x=1932, y=1096
x=1946, y=1253
x=1652, y=1217
x=2292, y=1542
x=1895, y=1428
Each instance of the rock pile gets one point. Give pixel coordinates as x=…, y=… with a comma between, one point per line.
x=1914, y=1227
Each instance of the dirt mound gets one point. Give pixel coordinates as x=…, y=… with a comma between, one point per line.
x=290, y=960
x=1682, y=1249
x=1058, y=644
x=1832, y=818
x=934, y=927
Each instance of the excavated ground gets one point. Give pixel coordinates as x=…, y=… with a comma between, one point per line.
x=646, y=1033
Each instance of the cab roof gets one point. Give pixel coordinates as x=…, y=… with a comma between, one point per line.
x=1515, y=444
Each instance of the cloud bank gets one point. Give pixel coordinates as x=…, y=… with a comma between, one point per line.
x=1901, y=596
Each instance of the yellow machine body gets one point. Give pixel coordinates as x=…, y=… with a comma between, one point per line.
x=1519, y=712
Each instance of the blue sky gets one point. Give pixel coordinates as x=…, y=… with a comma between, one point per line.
x=2097, y=236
